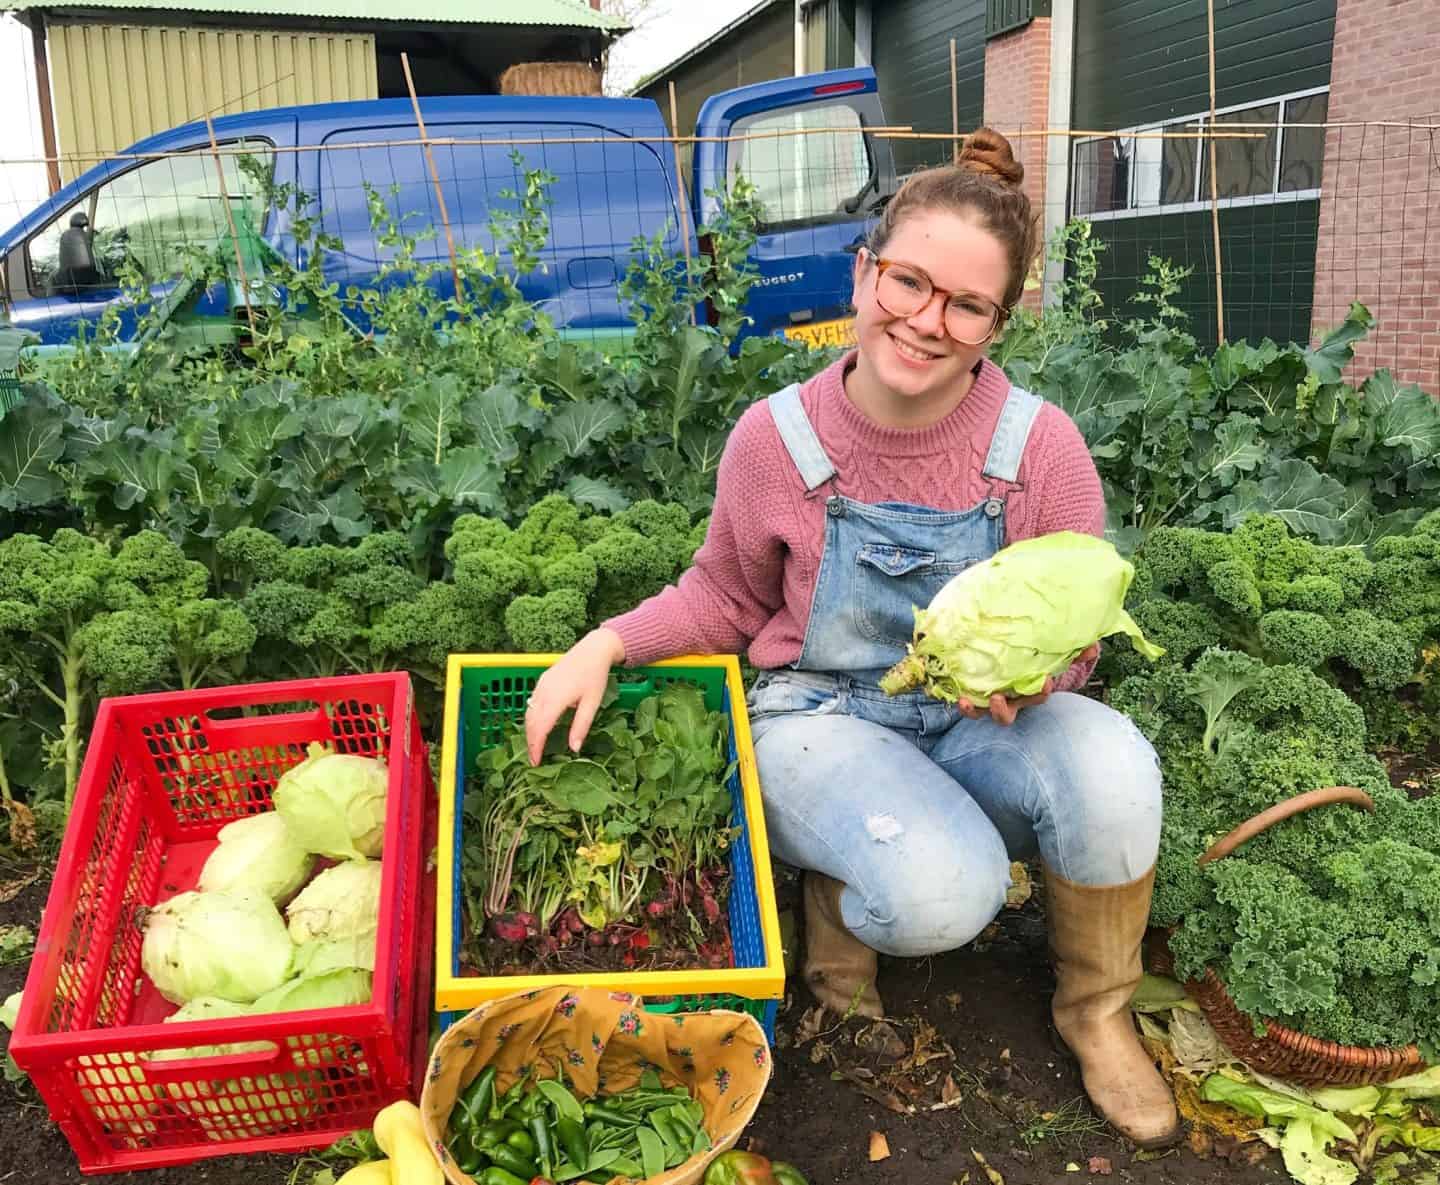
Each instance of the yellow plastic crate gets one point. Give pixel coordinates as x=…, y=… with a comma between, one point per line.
x=486, y=691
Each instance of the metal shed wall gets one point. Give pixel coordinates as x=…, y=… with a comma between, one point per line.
x=116, y=84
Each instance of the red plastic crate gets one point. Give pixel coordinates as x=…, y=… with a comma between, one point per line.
x=162, y=775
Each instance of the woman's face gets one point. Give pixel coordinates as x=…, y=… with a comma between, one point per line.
x=913, y=357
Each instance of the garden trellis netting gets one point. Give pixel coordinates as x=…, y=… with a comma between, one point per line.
x=1310, y=215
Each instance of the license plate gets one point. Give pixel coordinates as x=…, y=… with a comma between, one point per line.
x=824, y=333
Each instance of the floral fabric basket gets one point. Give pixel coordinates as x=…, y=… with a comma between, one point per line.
x=603, y=1041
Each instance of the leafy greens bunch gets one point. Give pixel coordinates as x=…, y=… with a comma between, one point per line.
x=601, y=846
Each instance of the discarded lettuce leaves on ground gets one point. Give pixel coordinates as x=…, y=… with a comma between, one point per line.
x=1006, y=625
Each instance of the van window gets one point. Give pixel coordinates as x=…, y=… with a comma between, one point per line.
x=805, y=161
x=604, y=193
x=150, y=215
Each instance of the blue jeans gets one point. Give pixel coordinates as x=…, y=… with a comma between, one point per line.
x=919, y=811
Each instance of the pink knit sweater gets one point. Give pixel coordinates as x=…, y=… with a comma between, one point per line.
x=754, y=578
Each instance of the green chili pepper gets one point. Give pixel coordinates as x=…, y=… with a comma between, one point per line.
x=608, y=1114
x=462, y=1148
x=572, y=1139
x=476, y=1099
x=497, y=1131
x=512, y=1160
x=495, y=1175
x=523, y=1142
x=511, y=1097
x=544, y=1150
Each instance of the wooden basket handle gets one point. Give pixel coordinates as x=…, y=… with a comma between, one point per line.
x=1297, y=805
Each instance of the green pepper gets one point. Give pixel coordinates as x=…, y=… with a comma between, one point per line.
x=495, y=1175
x=476, y=1099
x=511, y=1097
x=472, y=1166
x=544, y=1150
x=786, y=1174
x=467, y=1156
x=523, y=1142
x=512, y=1160
x=609, y=1115
x=497, y=1131
x=572, y=1141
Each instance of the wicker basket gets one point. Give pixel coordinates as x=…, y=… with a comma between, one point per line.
x=550, y=78
x=1283, y=1052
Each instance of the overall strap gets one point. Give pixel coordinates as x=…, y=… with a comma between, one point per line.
x=800, y=439
x=1007, y=446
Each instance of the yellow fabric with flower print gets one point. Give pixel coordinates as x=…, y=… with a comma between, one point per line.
x=603, y=1041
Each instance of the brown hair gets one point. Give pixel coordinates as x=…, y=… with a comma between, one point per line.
x=984, y=183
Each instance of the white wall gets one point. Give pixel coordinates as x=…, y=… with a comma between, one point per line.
x=22, y=184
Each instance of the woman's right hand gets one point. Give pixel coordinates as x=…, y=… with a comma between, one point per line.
x=577, y=681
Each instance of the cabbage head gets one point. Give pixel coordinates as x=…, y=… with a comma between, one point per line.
x=208, y=1008
x=334, y=803
x=1006, y=625
x=232, y=945
x=335, y=919
x=331, y=989
x=257, y=853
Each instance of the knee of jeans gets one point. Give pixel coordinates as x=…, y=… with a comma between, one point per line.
x=919, y=914
x=1114, y=794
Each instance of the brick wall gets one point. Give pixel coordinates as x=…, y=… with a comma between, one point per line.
x=1380, y=192
x=1017, y=98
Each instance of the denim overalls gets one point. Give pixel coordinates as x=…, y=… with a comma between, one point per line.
x=917, y=809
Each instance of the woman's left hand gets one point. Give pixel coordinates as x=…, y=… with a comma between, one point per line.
x=1003, y=711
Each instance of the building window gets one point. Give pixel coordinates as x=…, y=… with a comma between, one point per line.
x=804, y=178
x=1132, y=172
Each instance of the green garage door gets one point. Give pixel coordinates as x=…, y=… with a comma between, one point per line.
x=910, y=47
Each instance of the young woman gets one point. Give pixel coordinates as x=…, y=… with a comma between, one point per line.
x=842, y=504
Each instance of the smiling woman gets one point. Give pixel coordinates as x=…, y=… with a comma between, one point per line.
x=841, y=506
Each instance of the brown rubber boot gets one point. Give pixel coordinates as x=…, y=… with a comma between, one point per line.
x=1095, y=936
x=839, y=968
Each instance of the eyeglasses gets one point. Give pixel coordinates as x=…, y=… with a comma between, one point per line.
x=902, y=291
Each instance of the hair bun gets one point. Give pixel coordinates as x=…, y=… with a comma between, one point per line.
x=988, y=153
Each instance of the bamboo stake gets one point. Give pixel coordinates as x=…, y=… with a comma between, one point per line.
x=954, y=106
x=1215, y=185
x=234, y=231
x=434, y=174
x=682, y=201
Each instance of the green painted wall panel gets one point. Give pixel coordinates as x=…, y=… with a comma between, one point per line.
x=1138, y=61
x=1269, y=259
x=911, y=52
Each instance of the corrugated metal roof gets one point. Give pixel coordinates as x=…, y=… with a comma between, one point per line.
x=560, y=13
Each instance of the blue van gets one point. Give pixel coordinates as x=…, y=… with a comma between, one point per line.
x=614, y=181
